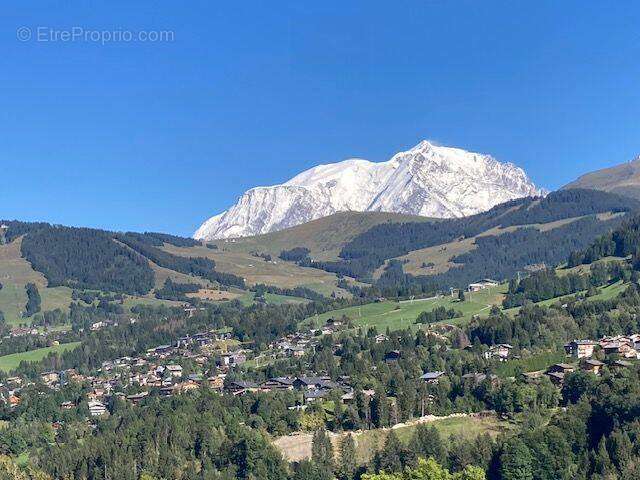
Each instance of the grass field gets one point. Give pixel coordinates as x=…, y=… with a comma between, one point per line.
x=150, y=300
x=297, y=447
x=398, y=315
x=10, y=362
x=606, y=293
x=256, y=270
x=467, y=427
x=15, y=273
x=324, y=237
x=272, y=298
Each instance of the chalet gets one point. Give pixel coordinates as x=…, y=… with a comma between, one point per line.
x=313, y=395
x=381, y=338
x=580, y=348
x=593, y=366
x=348, y=397
x=14, y=381
x=241, y=387
x=187, y=386
x=621, y=364
x=160, y=350
x=294, y=352
x=96, y=408
x=478, y=378
x=50, y=377
x=175, y=371
x=500, y=351
x=137, y=397
x=216, y=383
x=620, y=347
x=431, y=377
x=313, y=383
x=556, y=378
x=392, y=356
x=481, y=285
x=532, y=377
x=561, y=368
x=231, y=359
x=278, y=383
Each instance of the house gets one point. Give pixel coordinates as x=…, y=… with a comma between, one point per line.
x=593, y=366
x=381, y=338
x=580, y=348
x=137, y=398
x=621, y=364
x=216, y=383
x=500, y=351
x=348, y=397
x=532, y=377
x=313, y=395
x=431, y=377
x=313, y=383
x=481, y=285
x=278, y=383
x=557, y=378
x=175, y=371
x=240, y=387
x=231, y=359
x=67, y=405
x=96, y=408
x=478, y=378
x=294, y=352
x=561, y=368
x=620, y=347
x=392, y=356
x=557, y=372
x=13, y=401
x=187, y=386
x=50, y=377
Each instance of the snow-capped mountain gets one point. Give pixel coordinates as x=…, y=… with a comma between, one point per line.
x=427, y=180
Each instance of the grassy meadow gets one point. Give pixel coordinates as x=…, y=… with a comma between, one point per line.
x=397, y=315
x=10, y=362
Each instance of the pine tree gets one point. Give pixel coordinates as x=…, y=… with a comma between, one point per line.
x=392, y=457
x=347, y=467
x=379, y=410
x=427, y=443
x=602, y=464
x=322, y=454
x=516, y=462
x=461, y=295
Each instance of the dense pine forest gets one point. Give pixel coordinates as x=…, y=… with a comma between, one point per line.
x=497, y=255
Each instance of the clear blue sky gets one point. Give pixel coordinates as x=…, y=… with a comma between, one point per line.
x=161, y=135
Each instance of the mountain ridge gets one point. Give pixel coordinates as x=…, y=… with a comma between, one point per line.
x=623, y=179
x=426, y=180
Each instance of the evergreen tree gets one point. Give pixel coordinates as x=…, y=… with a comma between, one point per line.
x=516, y=461
x=426, y=443
x=322, y=454
x=379, y=409
x=393, y=457
x=347, y=467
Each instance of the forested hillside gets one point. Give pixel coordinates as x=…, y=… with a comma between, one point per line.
x=533, y=231
x=88, y=258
